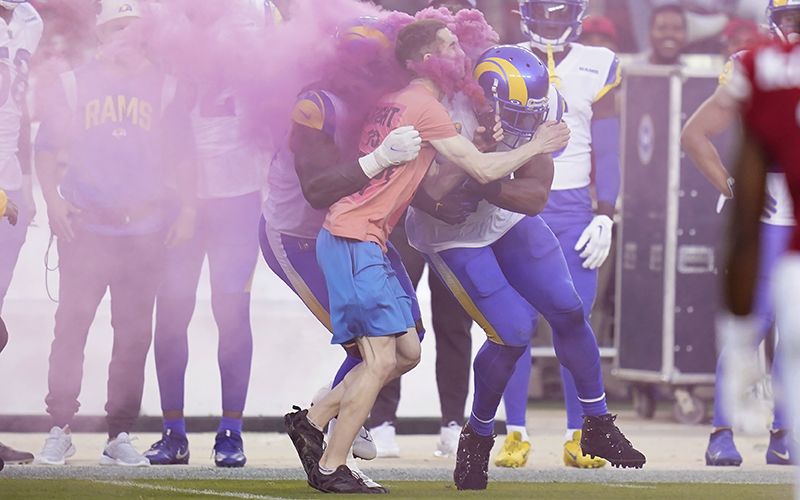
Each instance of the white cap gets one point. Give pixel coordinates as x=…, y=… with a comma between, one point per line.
x=115, y=9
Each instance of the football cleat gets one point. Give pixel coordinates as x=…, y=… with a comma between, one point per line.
x=307, y=439
x=780, y=448
x=721, y=451
x=514, y=452
x=229, y=450
x=472, y=460
x=342, y=480
x=600, y=437
x=363, y=445
x=171, y=449
x=574, y=456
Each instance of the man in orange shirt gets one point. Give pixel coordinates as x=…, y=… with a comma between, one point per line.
x=367, y=303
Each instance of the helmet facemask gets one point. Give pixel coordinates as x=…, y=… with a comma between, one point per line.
x=553, y=23
x=520, y=121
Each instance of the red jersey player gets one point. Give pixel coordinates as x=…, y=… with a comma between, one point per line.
x=766, y=87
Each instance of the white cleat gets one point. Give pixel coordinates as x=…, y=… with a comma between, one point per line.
x=120, y=451
x=57, y=449
x=363, y=445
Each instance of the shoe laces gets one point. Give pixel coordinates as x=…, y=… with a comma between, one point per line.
x=607, y=425
x=56, y=444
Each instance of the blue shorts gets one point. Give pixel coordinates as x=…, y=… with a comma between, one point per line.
x=366, y=297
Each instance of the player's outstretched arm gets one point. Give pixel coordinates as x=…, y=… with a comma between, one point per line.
x=527, y=193
x=710, y=120
x=325, y=180
x=488, y=167
x=743, y=236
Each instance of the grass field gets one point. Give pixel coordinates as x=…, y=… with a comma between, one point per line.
x=76, y=489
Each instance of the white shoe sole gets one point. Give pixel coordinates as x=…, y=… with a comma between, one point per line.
x=106, y=460
x=40, y=460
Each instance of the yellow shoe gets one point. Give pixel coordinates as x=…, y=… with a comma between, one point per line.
x=574, y=457
x=514, y=453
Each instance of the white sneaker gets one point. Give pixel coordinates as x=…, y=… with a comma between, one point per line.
x=351, y=464
x=57, y=449
x=120, y=451
x=363, y=445
x=447, y=445
x=385, y=438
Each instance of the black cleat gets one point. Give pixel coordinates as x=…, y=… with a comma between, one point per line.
x=13, y=457
x=600, y=437
x=343, y=480
x=472, y=460
x=308, y=441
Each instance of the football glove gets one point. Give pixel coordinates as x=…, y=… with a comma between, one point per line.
x=595, y=242
x=401, y=145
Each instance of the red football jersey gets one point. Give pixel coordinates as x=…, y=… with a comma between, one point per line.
x=772, y=112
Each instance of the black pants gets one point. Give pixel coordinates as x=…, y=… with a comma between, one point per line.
x=131, y=268
x=451, y=327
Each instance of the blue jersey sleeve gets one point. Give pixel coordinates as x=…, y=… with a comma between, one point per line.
x=605, y=144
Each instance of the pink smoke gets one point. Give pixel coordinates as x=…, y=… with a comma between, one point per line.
x=474, y=35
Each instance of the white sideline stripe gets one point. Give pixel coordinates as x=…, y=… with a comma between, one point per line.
x=173, y=489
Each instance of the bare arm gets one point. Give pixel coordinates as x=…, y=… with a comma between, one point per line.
x=441, y=179
x=316, y=161
x=742, y=269
x=527, y=193
x=488, y=167
x=710, y=119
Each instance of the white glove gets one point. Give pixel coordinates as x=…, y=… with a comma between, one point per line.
x=723, y=198
x=596, y=239
x=401, y=145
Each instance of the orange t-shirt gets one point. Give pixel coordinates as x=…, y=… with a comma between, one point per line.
x=371, y=213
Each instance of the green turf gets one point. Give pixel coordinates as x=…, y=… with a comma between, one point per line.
x=49, y=489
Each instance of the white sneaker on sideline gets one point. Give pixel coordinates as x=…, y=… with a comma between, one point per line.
x=385, y=438
x=120, y=451
x=57, y=449
x=363, y=445
x=447, y=445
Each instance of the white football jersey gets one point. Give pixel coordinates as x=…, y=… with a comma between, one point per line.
x=18, y=42
x=585, y=74
x=228, y=163
x=482, y=228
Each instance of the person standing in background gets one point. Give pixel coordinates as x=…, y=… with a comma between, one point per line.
x=125, y=125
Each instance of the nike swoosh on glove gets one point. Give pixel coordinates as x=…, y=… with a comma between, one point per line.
x=595, y=242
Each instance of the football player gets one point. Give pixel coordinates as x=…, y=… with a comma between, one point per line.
x=766, y=90
x=504, y=261
x=587, y=78
x=777, y=226
x=229, y=200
